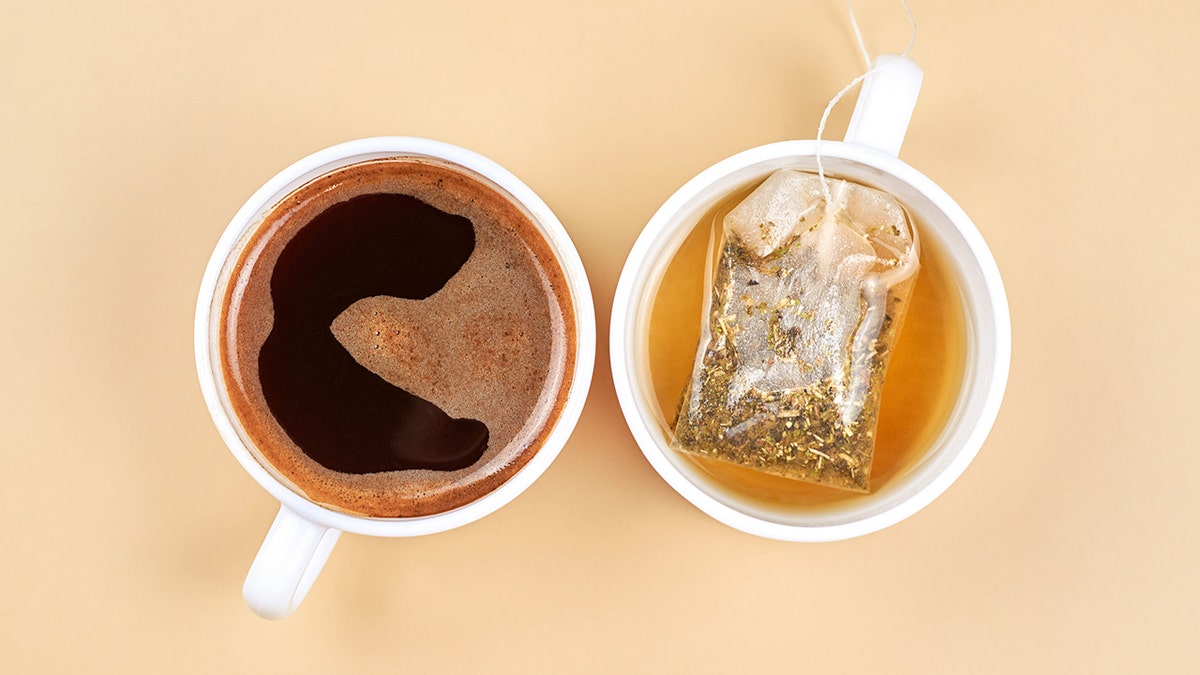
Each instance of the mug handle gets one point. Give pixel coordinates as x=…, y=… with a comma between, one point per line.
x=287, y=564
x=885, y=104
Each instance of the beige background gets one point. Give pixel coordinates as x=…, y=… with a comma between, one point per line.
x=132, y=131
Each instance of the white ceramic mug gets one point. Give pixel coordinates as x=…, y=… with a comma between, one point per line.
x=867, y=156
x=303, y=534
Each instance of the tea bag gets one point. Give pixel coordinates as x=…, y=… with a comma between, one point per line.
x=807, y=300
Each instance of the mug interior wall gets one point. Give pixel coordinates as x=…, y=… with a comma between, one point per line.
x=935, y=224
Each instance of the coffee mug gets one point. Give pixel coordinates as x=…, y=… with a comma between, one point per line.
x=868, y=155
x=304, y=532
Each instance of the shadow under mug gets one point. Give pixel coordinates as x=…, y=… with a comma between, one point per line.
x=304, y=532
x=868, y=156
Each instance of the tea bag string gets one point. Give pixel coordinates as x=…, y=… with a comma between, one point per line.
x=862, y=47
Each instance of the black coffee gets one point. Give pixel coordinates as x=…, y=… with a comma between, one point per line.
x=397, y=338
x=340, y=413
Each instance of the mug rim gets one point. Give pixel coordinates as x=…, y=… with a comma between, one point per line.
x=623, y=342
x=365, y=149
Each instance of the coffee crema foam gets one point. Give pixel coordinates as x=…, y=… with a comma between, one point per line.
x=495, y=344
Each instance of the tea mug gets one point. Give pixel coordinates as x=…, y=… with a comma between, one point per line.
x=867, y=155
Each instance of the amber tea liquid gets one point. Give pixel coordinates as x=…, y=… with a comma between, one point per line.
x=922, y=385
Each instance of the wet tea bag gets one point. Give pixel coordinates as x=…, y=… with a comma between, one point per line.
x=807, y=300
